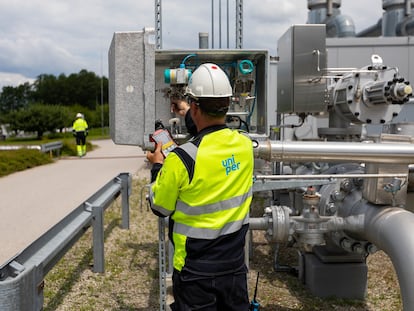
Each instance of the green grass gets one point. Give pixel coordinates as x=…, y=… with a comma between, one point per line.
x=18, y=160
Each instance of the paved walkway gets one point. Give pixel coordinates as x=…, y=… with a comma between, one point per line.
x=34, y=200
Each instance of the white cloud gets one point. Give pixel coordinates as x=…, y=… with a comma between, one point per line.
x=60, y=36
x=13, y=79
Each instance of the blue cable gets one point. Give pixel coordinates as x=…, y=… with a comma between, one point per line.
x=182, y=65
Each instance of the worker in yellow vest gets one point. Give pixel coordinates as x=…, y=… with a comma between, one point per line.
x=80, y=131
x=205, y=187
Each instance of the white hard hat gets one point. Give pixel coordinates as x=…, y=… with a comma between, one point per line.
x=209, y=80
x=79, y=115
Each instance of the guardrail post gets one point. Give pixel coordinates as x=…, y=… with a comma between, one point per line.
x=98, y=239
x=21, y=292
x=39, y=286
x=125, y=192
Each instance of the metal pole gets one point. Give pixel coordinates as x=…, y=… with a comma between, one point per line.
x=102, y=108
x=219, y=24
x=158, y=24
x=239, y=24
x=212, y=24
x=228, y=26
x=162, y=262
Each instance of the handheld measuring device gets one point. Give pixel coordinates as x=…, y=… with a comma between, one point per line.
x=163, y=136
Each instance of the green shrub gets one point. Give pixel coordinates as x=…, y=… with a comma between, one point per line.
x=19, y=160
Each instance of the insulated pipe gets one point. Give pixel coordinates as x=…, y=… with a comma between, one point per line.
x=395, y=13
x=390, y=229
x=372, y=31
x=328, y=12
x=319, y=10
x=311, y=151
x=406, y=27
x=340, y=26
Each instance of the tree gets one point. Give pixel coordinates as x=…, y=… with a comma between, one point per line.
x=39, y=118
x=15, y=98
x=48, y=90
x=83, y=91
x=83, y=88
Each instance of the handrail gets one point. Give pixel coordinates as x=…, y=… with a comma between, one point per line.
x=21, y=278
x=47, y=147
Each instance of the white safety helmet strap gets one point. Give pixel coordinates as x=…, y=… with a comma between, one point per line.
x=209, y=80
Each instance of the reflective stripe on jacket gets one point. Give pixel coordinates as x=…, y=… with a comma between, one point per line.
x=207, y=196
x=80, y=125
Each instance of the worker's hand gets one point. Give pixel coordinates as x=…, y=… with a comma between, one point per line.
x=179, y=106
x=156, y=156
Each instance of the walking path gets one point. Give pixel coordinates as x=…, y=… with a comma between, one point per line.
x=34, y=200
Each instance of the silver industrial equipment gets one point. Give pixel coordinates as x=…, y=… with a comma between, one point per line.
x=334, y=163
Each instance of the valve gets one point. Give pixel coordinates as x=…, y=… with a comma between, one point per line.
x=310, y=227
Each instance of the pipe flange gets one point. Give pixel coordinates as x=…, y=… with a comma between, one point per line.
x=279, y=226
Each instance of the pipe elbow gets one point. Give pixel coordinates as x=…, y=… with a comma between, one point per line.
x=372, y=31
x=406, y=27
x=390, y=229
x=340, y=26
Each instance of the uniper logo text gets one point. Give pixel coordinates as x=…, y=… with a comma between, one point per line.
x=230, y=165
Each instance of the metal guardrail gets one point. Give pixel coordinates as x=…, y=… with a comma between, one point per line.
x=21, y=278
x=48, y=147
x=52, y=146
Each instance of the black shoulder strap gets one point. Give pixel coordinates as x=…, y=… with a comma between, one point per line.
x=187, y=153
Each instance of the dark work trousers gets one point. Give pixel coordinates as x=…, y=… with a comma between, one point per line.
x=217, y=293
x=80, y=138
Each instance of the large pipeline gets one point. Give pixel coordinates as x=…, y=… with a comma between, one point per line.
x=391, y=230
x=326, y=151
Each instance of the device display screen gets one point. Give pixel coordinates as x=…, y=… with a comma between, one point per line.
x=162, y=136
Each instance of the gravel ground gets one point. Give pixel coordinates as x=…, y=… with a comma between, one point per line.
x=130, y=281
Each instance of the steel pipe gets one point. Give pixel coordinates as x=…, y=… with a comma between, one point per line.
x=390, y=229
x=327, y=176
x=326, y=151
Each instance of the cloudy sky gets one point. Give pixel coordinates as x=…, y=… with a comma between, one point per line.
x=65, y=36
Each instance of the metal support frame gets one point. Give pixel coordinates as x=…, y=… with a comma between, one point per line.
x=158, y=24
x=239, y=24
x=162, y=262
x=21, y=278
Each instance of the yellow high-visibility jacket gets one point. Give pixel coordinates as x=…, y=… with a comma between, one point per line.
x=80, y=125
x=205, y=186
